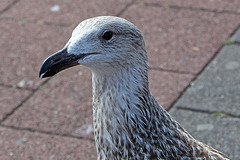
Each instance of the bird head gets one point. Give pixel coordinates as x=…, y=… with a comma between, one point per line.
x=102, y=43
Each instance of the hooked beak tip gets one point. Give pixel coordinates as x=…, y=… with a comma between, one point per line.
x=58, y=62
x=41, y=76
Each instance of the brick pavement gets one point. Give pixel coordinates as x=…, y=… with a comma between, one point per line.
x=51, y=119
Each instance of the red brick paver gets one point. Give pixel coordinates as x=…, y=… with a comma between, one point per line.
x=25, y=145
x=62, y=106
x=11, y=98
x=23, y=47
x=70, y=11
x=167, y=86
x=179, y=39
x=4, y=5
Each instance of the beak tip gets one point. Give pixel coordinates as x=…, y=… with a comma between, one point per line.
x=56, y=63
x=46, y=72
x=43, y=71
x=45, y=68
x=41, y=75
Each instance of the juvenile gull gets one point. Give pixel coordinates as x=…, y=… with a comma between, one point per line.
x=128, y=121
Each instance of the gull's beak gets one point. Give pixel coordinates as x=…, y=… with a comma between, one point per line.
x=58, y=62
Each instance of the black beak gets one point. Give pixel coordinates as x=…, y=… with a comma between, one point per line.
x=58, y=62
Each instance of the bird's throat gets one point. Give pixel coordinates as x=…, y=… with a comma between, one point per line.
x=114, y=110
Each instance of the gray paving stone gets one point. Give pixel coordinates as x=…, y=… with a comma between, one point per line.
x=222, y=133
x=217, y=89
x=236, y=36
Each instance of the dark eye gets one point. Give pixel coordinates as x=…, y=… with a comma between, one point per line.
x=107, y=35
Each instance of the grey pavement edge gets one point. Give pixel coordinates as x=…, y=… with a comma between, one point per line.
x=210, y=108
x=236, y=36
x=217, y=89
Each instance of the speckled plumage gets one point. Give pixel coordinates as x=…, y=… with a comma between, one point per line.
x=128, y=122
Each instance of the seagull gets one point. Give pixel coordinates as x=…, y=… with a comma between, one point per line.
x=128, y=122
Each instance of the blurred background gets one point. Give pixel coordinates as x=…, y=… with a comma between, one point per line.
x=52, y=118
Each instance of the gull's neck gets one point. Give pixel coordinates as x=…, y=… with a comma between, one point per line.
x=115, y=94
x=123, y=108
x=113, y=104
x=128, y=122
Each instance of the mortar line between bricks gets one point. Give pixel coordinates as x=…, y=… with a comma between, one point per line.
x=39, y=22
x=170, y=6
x=9, y=6
x=207, y=112
x=10, y=86
x=234, y=31
x=172, y=71
x=46, y=132
x=190, y=8
x=125, y=8
x=235, y=43
x=23, y=102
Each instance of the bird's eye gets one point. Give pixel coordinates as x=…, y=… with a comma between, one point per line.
x=107, y=35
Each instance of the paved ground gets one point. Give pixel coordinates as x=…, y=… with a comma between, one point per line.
x=210, y=108
x=194, y=71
